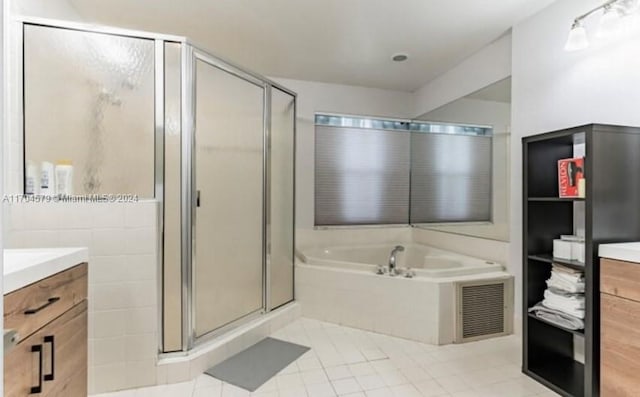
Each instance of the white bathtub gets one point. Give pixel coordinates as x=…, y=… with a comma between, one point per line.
x=425, y=261
x=340, y=285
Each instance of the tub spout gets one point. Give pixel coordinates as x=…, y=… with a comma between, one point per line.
x=392, y=260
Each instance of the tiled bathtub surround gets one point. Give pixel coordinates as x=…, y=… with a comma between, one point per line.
x=420, y=309
x=123, y=293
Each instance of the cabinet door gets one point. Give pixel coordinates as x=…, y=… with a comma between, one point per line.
x=58, y=362
x=65, y=354
x=620, y=347
x=23, y=369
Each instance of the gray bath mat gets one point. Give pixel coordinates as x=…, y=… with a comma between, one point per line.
x=253, y=367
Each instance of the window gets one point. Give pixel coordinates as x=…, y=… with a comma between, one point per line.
x=450, y=178
x=373, y=171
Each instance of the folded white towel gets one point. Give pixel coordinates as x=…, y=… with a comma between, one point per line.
x=564, y=285
x=578, y=313
x=573, y=305
x=571, y=278
x=573, y=300
x=557, y=317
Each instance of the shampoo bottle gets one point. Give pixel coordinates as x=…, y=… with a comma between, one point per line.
x=64, y=178
x=47, y=179
x=31, y=178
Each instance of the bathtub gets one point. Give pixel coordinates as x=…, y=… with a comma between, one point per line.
x=340, y=284
x=423, y=260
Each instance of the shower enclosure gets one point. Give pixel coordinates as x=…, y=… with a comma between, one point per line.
x=213, y=143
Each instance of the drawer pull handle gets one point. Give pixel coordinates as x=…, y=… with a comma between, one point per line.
x=38, y=389
x=52, y=375
x=50, y=302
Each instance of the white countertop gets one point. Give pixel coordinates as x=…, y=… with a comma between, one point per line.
x=628, y=252
x=26, y=266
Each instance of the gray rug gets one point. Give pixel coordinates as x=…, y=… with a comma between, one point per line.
x=253, y=367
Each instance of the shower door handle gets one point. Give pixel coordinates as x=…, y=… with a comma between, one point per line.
x=197, y=198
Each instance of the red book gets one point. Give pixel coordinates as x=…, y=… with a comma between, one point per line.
x=570, y=171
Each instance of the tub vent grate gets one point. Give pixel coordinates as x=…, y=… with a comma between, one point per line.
x=481, y=311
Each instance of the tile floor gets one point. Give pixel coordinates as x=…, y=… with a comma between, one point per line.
x=350, y=362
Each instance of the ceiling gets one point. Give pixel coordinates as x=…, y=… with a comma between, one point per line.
x=497, y=92
x=336, y=41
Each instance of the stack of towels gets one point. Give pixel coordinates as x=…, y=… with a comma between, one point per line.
x=563, y=302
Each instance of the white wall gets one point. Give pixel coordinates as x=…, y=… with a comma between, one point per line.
x=55, y=9
x=485, y=67
x=333, y=98
x=474, y=111
x=554, y=89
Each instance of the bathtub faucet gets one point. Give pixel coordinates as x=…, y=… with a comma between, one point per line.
x=392, y=260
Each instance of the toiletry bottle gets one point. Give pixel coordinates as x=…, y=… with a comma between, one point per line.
x=64, y=178
x=31, y=178
x=47, y=179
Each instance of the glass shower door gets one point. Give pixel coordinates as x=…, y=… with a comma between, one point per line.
x=228, y=257
x=281, y=206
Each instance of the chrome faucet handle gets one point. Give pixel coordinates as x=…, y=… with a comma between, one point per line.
x=381, y=270
x=408, y=273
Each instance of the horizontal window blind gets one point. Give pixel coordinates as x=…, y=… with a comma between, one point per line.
x=361, y=176
x=450, y=178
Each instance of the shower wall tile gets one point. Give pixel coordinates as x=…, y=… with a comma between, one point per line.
x=108, y=215
x=123, y=274
x=123, y=290
x=142, y=214
x=140, y=241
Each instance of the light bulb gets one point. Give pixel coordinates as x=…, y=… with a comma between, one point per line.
x=609, y=23
x=578, y=39
x=629, y=6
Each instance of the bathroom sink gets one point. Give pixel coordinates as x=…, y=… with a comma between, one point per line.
x=629, y=252
x=26, y=266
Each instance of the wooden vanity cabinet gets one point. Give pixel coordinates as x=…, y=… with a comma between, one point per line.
x=51, y=318
x=619, y=328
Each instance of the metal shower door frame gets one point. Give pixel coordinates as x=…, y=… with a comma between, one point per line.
x=190, y=53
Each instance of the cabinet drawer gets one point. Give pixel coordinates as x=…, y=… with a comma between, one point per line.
x=620, y=278
x=32, y=307
x=620, y=347
x=59, y=364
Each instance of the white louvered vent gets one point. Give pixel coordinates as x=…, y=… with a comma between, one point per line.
x=483, y=310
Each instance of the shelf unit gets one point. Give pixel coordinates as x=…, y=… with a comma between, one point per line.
x=609, y=213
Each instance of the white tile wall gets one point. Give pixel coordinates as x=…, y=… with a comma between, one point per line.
x=123, y=293
x=391, y=306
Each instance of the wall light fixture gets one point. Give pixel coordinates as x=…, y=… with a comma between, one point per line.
x=613, y=15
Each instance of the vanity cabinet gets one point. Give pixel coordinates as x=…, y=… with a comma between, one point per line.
x=620, y=328
x=50, y=317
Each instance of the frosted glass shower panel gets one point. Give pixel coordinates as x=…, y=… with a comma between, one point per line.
x=229, y=145
x=172, y=269
x=89, y=98
x=281, y=201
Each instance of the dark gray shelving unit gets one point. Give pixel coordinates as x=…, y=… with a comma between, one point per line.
x=611, y=213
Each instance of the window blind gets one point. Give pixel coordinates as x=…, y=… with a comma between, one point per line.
x=450, y=178
x=361, y=176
